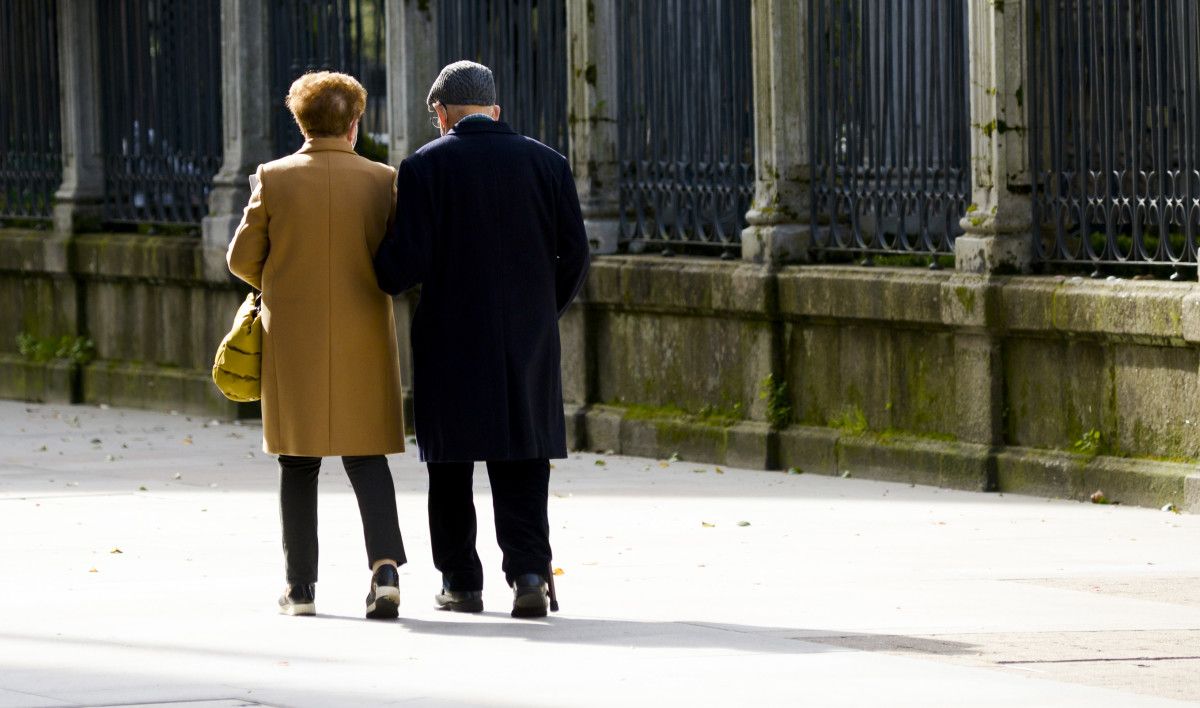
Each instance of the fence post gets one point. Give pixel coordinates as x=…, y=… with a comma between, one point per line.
x=412, y=65
x=998, y=221
x=592, y=106
x=778, y=230
x=245, y=86
x=79, y=200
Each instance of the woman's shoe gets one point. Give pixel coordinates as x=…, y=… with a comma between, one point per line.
x=383, y=602
x=459, y=600
x=529, y=596
x=298, y=600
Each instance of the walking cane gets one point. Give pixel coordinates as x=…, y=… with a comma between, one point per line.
x=553, y=595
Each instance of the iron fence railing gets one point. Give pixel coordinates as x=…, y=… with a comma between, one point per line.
x=524, y=44
x=685, y=125
x=889, y=125
x=1115, y=131
x=160, y=87
x=30, y=139
x=334, y=35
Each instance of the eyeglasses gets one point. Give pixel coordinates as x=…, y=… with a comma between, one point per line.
x=433, y=117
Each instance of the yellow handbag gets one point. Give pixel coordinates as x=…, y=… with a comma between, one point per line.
x=237, y=369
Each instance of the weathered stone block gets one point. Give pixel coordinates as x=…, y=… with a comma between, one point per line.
x=572, y=333
x=156, y=258
x=970, y=300
x=1153, y=415
x=603, y=429
x=1150, y=311
x=1058, y=392
x=687, y=363
x=915, y=461
x=811, y=449
x=893, y=295
x=49, y=382
x=30, y=251
x=160, y=388
x=1042, y=473
x=859, y=377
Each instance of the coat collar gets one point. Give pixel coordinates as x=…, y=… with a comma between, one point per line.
x=470, y=127
x=322, y=144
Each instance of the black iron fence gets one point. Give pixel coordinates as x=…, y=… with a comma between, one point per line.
x=889, y=125
x=333, y=35
x=30, y=139
x=524, y=43
x=160, y=87
x=685, y=131
x=1115, y=130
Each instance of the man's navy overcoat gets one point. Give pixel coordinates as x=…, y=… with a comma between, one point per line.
x=488, y=224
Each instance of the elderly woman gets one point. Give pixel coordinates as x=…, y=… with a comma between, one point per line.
x=330, y=371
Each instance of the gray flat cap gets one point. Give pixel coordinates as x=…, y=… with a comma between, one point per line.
x=463, y=83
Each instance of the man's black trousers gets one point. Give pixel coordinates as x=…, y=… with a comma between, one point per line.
x=519, y=495
x=372, y=482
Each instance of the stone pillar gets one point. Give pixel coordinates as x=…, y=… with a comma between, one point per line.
x=778, y=230
x=592, y=104
x=79, y=199
x=998, y=225
x=412, y=65
x=246, y=109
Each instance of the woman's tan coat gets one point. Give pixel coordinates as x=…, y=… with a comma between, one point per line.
x=330, y=370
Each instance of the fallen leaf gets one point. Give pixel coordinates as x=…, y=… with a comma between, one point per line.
x=845, y=473
x=699, y=471
x=559, y=571
x=600, y=463
x=743, y=523
x=795, y=470
x=178, y=475
x=187, y=440
x=93, y=570
x=143, y=489
x=707, y=525
x=718, y=470
x=116, y=550
x=95, y=441
x=1171, y=508
x=663, y=463
x=674, y=457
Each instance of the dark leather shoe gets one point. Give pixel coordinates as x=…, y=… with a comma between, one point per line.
x=459, y=600
x=530, y=598
x=383, y=602
x=298, y=600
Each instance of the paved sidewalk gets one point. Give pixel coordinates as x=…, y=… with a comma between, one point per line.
x=141, y=562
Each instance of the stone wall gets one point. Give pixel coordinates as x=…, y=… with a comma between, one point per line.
x=1044, y=385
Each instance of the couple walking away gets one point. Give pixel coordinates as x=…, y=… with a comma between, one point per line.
x=487, y=222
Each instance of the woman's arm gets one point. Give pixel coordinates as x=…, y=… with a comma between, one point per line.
x=406, y=254
x=249, y=247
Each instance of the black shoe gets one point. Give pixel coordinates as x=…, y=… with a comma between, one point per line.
x=459, y=600
x=383, y=602
x=298, y=600
x=529, y=596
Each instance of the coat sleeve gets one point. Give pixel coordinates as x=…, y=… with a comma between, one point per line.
x=248, y=250
x=406, y=254
x=572, y=244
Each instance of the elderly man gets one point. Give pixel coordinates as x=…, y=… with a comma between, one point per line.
x=488, y=224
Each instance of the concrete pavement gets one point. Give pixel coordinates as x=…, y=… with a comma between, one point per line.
x=141, y=564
